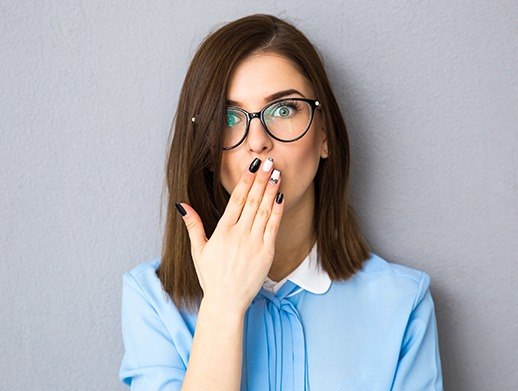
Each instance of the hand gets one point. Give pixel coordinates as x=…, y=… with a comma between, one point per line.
x=234, y=263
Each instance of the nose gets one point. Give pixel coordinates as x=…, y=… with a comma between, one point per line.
x=257, y=138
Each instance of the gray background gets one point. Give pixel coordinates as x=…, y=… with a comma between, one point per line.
x=88, y=91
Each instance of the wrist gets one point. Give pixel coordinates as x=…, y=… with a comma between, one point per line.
x=217, y=306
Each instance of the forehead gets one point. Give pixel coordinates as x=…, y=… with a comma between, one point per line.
x=261, y=75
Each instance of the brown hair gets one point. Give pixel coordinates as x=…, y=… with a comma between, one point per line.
x=192, y=164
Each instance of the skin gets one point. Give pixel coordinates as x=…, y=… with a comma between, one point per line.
x=252, y=80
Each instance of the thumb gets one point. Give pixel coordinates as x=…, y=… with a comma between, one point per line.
x=194, y=225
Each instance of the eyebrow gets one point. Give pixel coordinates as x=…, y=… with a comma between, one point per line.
x=271, y=97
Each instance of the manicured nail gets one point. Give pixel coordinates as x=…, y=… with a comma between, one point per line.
x=268, y=164
x=254, y=166
x=279, y=198
x=180, y=209
x=275, y=176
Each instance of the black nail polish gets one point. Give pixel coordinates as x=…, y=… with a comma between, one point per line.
x=180, y=209
x=279, y=197
x=254, y=166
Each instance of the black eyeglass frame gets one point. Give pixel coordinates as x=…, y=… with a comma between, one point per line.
x=314, y=104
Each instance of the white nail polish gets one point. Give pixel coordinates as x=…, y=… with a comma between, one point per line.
x=268, y=164
x=275, y=176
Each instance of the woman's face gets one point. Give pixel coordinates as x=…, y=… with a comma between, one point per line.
x=254, y=79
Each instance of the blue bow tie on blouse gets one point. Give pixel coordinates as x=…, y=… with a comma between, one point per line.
x=274, y=350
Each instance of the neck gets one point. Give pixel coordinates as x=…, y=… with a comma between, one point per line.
x=295, y=236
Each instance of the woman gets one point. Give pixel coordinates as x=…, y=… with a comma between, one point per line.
x=272, y=285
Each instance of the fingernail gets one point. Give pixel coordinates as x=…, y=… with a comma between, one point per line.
x=279, y=198
x=275, y=176
x=180, y=209
x=254, y=166
x=268, y=164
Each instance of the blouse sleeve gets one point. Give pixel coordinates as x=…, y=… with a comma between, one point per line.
x=151, y=361
x=419, y=363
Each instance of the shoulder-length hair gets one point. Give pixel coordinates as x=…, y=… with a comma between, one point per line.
x=194, y=157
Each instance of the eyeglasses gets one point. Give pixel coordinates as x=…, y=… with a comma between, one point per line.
x=285, y=120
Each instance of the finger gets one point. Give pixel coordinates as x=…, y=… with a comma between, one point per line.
x=255, y=195
x=238, y=197
x=194, y=226
x=272, y=226
x=265, y=209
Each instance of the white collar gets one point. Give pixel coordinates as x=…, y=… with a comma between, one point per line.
x=308, y=275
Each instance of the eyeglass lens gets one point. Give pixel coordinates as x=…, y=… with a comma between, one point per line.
x=286, y=120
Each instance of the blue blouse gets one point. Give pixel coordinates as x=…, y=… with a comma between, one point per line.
x=375, y=331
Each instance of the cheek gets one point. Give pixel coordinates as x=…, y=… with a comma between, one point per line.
x=228, y=176
x=301, y=171
x=309, y=157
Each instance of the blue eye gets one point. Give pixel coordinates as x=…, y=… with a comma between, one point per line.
x=232, y=118
x=284, y=109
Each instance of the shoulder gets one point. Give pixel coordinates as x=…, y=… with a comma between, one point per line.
x=141, y=288
x=388, y=282
x=143, y=267
x=376, y=266
x=409, y=280
x=143, y=280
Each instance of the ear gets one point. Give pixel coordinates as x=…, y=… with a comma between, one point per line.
x=324, y=148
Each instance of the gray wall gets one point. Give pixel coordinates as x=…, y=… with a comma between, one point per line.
x=88, y=90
